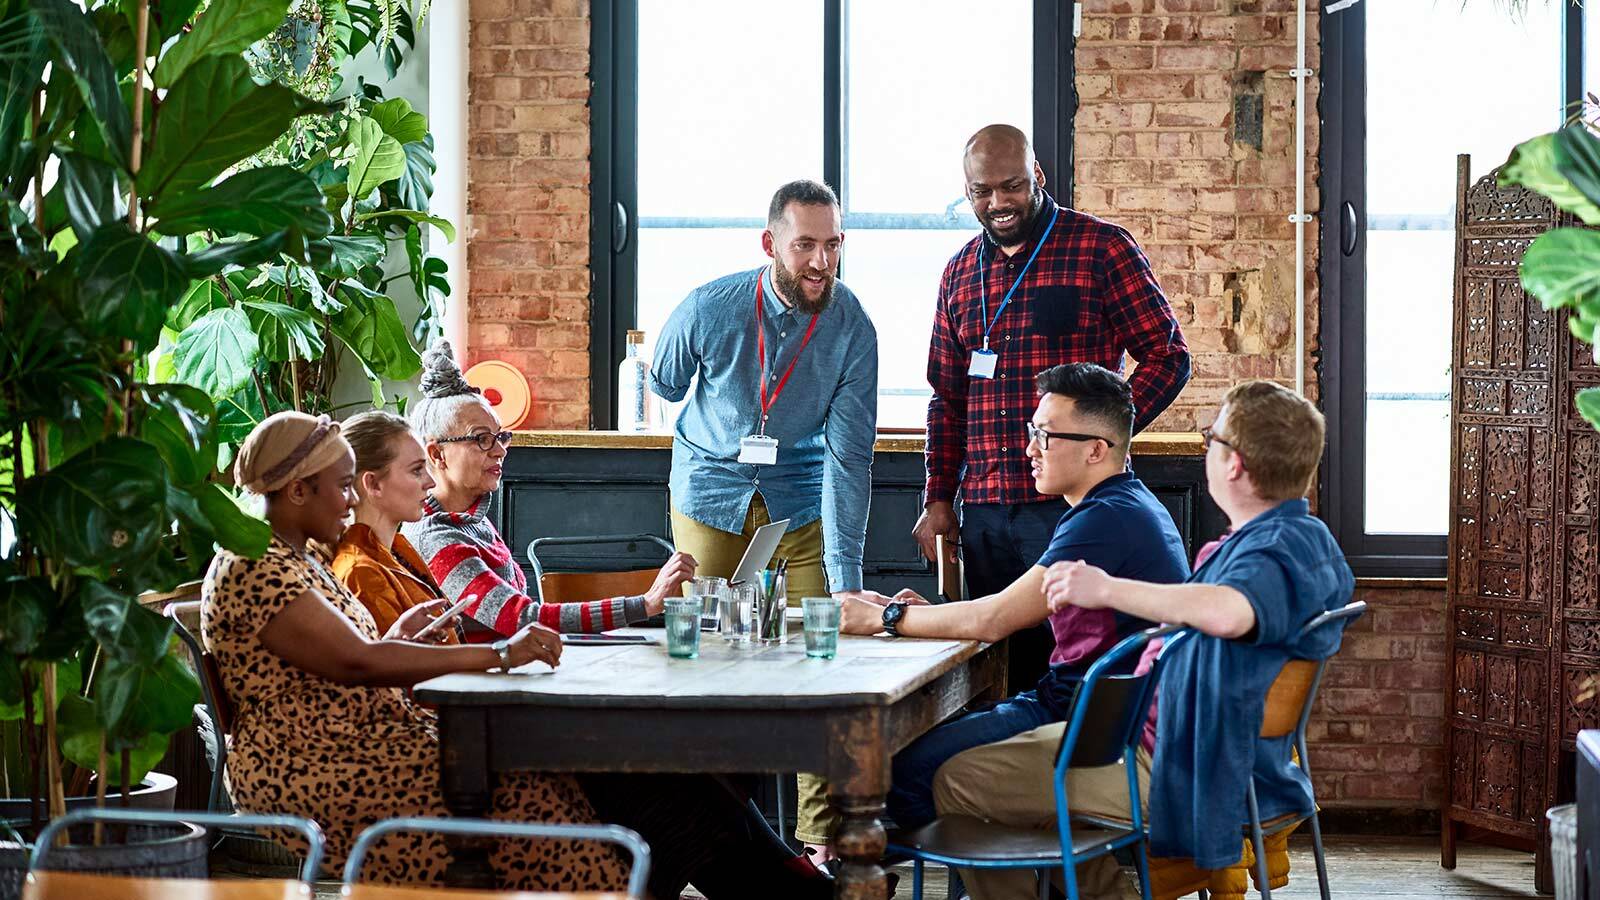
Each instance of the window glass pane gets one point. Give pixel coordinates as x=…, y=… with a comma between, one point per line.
x=914, y=95
x=1429, y=98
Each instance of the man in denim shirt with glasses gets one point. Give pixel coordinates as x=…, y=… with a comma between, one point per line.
x=780, y=367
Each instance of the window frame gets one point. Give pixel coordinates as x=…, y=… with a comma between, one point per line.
x=614, y=138
x=1342, y=287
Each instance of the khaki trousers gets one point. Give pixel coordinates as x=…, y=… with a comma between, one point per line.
x=718, y=553
x=1011, y=782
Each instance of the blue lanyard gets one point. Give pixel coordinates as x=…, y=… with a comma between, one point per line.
x=983, y=281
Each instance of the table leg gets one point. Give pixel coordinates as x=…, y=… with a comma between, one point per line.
x=468, y=788
x=860, y=843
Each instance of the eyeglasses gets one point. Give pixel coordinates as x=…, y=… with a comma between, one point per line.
x=1035, y=433
x=484, y=439
x=1208, y=436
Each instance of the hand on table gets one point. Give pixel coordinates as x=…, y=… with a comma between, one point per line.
x=679, y=568
x=858, y=615
x=535, y=643
x=1076, y=584
x=911, y=598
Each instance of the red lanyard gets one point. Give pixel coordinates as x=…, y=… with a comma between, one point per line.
x=761, y=350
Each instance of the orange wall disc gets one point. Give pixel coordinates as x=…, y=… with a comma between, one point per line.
x=505, y=388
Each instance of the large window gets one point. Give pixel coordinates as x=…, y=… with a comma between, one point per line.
x=703, y=107
x=1407, y=87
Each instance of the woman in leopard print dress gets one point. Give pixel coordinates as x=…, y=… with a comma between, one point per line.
x=322, y=726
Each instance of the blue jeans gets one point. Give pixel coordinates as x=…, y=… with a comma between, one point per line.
x=998, y=544
x=910, y=800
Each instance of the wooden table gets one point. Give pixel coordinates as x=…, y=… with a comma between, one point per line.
x=762, y=709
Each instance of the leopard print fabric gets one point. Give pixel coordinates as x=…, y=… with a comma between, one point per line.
x=347, y=756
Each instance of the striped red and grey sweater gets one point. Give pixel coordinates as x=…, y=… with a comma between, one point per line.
x=466, y=555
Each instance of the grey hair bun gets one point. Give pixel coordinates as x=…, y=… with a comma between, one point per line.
x=441, y=377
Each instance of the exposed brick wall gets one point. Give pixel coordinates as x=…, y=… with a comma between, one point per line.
x=1185, y=136
x=528, y=199
x=1377, y=733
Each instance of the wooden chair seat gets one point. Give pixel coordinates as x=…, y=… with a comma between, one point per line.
x=386, y=892
x=577, y=587
x=84, y=886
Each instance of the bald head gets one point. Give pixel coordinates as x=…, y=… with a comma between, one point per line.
x=1004, y=183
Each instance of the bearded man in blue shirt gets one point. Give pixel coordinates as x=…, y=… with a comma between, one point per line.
x=1277, y=568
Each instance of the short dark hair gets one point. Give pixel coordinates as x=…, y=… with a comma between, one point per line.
x=804, y=192
x=1097, y=392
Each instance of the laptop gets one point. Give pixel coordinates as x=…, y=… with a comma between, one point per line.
x=763, y=544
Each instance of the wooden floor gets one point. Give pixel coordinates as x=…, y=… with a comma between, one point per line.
x=1358, y=867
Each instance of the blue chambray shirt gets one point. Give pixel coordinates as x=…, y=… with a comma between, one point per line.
x=825, y=421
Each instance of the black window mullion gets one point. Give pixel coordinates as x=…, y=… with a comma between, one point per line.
x=1572, y=51
x=834, y=47
x=1055, y=95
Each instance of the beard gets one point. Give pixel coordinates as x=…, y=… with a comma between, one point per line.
x=793, y=290
x=1018, y=232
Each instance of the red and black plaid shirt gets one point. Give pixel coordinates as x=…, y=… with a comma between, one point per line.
x=1089, y=297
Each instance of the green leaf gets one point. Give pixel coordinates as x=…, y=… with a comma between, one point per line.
x=74, y=34
x=24, y=613
x=285, y=333
x=1534, y=164
x=20, y=73
x=69, y=683
x=134, y=700
x=218, y=352
x=212, y=118
x=414, y=190
x=1578, y=160
x=371, y=327
x=127, y=282
x=1589, y=406
x=411, y=215
x=234, y=529
x=1562, y=268
x=379, y=157
x=341, y=256
x=90, y=189
x=226, y=27
x=399, y=121
x=256, y=201
x=203, y=296
x=80, y=740
x=127, y=631
x=105, y=506
x=178, y=423
x=216, y=257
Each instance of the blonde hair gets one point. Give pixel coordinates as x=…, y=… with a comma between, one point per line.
x=1279, y=434
x=371, y=435
x=445, y=393
x=287, y=447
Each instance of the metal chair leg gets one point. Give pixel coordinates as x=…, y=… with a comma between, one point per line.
x=1316, y=851
x=954, y=887
x=778, y=787
x=1141, y=863
x=1069, y=877
x=1044, y=883
x=1259, y=843
x=916, y=880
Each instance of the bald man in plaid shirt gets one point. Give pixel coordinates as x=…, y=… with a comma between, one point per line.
x=1042, y=285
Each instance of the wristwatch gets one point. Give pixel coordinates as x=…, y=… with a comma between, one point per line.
x=893, y=612
x=503, y=647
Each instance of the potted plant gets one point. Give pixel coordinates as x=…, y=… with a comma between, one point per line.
x=120, y=130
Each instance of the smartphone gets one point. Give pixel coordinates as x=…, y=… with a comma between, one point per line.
x=607, y=639
x=445, y=619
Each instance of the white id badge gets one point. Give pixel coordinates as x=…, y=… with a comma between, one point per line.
x=983, y=363
x=759, y=450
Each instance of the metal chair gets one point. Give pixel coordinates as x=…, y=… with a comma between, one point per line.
x=216, y=709
x=566, y=587
x=1107, y=721
x=1288, y=709
x=630, y=840
x=43, y=884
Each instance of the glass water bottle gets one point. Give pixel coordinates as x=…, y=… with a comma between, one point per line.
x=636, y=405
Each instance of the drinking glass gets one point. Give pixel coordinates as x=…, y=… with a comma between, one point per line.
x=710, y=590
x=738, y=612
x=683, y=628
x=821, y=617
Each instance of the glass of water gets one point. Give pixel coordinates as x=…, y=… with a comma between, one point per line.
x=710, y=590
x=738, y=612
x=821, y=617
x=683, y=628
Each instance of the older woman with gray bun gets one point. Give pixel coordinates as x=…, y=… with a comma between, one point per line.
x=466, y=447
x=322, y=728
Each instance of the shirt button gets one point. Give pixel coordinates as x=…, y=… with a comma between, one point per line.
x=1008, y=337
x=783, y=334
x=1002, y=412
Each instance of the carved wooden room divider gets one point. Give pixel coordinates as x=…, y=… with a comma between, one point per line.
x=1524, y=593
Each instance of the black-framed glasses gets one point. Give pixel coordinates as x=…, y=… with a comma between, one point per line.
x=484, y=439
x=1209, y=436
x=1035, y=433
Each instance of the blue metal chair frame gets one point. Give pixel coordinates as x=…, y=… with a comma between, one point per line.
x=1129, y=835
x=197, y=654
x=311, y=830
x=536, y=543
x=615, y=834
x=1257, y=835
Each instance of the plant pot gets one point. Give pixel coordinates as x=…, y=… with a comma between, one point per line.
x=171, y=851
